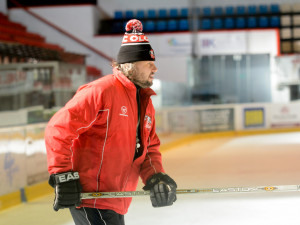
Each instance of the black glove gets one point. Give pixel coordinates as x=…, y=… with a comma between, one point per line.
x=162, y=190
x=67, y=190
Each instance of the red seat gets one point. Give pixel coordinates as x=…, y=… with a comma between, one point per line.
x=7, y=23
x=2, y=16
x=6, y=37
x=52, y=47
x=15, y=32
x=93, y=71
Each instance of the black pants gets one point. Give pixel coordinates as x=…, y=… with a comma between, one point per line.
x=91, y=216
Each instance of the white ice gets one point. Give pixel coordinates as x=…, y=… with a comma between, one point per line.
x=219, y=162
x=225, y=209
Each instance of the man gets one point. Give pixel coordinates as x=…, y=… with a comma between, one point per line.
x=104, y=139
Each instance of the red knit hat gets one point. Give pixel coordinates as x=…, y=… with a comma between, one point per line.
x=135, y=45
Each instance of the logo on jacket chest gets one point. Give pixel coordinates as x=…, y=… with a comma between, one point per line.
x=148, y=122
x=123, y=111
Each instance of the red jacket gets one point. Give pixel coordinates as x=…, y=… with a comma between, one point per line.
x=95, y=134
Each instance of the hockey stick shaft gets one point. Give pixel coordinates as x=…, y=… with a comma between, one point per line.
x=126, y=194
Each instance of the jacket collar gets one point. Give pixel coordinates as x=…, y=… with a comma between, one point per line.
x=128, y=84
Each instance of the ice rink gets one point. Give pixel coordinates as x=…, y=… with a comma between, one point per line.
x=270, y=159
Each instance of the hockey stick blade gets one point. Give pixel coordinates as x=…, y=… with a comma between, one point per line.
x=128, y=194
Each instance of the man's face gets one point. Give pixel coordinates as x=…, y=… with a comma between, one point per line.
x=143, y=74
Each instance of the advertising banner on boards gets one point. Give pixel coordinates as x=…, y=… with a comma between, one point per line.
x=254, y=117
x=285, y=115
x=183, y=121
x=216, y=119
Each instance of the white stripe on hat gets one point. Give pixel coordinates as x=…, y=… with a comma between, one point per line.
x=139, y=43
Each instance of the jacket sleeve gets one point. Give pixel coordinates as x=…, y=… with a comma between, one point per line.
x=153, y=160
x=66, y=126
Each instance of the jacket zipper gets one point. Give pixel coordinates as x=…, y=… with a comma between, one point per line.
x=141, y=130
x=142, y=116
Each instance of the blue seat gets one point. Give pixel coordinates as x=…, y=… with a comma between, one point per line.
x=140, y=14
x=240, y=10
x=218, y=11
x=162, y=13
x=173, y=13
x=118, y=15
x=129, y=14
x=117, y=27
x=149, y=26
x=197, y=11
x=240, y=22
x=161, y=26
x=274, y=21
x=274, y=8
x=184, y=12
x=229, y=10
x=263, y=9
x=263, y=21
x=252, y=9
x=206, y=24
x=183, y=24
x=172, y=25
x=217, y=23
x=229, y=23
x=123, y=25
x=206, y=11
x=251, y=22
x=151, y=14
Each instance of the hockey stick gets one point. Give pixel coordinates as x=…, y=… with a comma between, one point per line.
x=126, y=194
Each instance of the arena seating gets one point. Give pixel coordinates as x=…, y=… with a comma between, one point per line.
x=16, y=33
x=16, y=40
x=170, y=20
x=253, y=16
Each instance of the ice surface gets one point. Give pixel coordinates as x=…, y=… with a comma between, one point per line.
x=220, y=209
x=220, y=162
